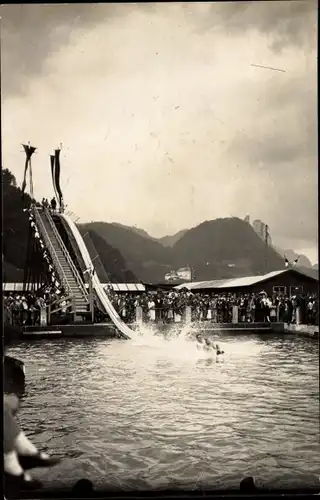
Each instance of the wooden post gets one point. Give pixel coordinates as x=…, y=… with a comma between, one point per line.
x=266, y=240
x=74, y=309
x=43, y=316
x=91, y=298
x=188, y=314
x=6, y=316
x=48, y=315
x=177, y=318
x=139, y=315
x=298, y=319
x=235, y=314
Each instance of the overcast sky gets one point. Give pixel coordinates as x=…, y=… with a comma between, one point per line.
x=164, y=120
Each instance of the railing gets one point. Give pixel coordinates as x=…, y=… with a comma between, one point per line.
x=186, y=314
x=72, y=216
x=57, y=303
x=67, y=303
x=67, y=256
x=213, y=316
x=52, y=249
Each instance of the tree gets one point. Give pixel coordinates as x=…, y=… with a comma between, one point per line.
x=15, y=221
x=8, y=178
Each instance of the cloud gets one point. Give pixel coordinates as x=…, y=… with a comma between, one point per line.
x=30, y=33
x=284, y=22
x=164, y=120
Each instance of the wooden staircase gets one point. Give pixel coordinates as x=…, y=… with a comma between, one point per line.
x=65, y=268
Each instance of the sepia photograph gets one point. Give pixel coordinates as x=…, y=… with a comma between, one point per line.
x=160, y=283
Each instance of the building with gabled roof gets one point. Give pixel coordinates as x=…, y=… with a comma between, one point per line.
x=290, y=281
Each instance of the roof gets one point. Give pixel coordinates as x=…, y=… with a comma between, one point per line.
x=123, y=287
x=126, y=287
x=118, y=287
x=310, y=272
x=243, y=282
x=167, y=284
x=16, y=287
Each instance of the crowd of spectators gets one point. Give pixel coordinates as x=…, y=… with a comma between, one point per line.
x=24, y=309
x=169, y=306
x=166, y=306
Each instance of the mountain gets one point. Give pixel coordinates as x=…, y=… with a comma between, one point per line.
x=145, y=257
x=221, y=248
x=260, y=228
x=169, y=241
x=136, y=230
x=225, y=248
x=166, y=241
x=291, y=255
x=109, y=265
x=315, y=266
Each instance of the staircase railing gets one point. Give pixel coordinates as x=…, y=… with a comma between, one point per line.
x=74, y=217
x=67, y=256
x=52, y=249
x=60, y=304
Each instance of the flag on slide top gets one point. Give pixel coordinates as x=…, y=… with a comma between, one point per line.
x=29, y=150
x=57, y=175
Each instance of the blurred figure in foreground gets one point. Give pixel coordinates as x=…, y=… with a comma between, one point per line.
x=83, y=488
x=19, y=453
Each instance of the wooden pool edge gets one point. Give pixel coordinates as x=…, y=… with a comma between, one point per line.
x=108, y=330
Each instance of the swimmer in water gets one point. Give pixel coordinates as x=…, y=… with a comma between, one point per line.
x=208, y=346
x=218, y=349
x=219, y=355
x=199, y=340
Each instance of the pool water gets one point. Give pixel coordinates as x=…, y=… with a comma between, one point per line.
x=155, y=412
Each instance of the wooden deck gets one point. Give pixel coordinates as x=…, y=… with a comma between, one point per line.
x=108, y=330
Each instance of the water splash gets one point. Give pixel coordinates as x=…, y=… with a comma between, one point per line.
x=173, y=341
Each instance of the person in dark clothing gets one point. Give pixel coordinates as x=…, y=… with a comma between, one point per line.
x=289, y=311
x=258, y=313
x=53, y=204
x=158, y=308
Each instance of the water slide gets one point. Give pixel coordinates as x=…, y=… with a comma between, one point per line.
x=104, y=299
